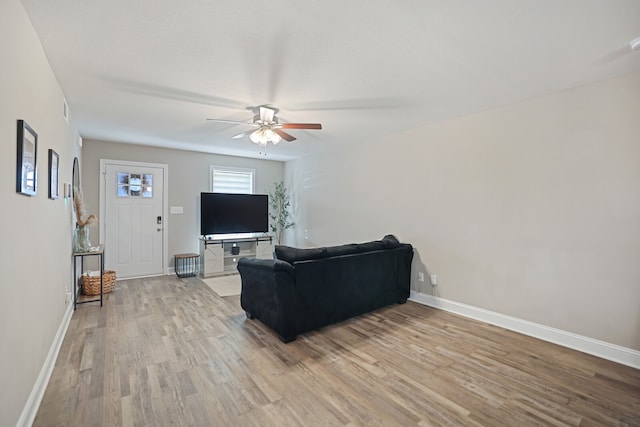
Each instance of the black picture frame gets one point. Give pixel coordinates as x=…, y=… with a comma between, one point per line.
x=54, y=166
x=27, y=160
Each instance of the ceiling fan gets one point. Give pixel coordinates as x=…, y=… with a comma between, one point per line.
x=269, y=129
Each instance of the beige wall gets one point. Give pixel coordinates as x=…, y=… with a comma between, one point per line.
x=35, y=242
x=531, y=211
x=188, y=176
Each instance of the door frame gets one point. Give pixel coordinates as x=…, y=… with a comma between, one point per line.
x=165, y=202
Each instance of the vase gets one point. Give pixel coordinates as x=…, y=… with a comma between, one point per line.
x=81, y=242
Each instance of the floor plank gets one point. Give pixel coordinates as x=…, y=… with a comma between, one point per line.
x=169, y=351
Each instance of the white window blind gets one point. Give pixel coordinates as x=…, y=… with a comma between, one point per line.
x=232, y=180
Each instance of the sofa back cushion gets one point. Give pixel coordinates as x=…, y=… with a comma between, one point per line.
x=291, y=255
x=390, y=241
x=354, y=248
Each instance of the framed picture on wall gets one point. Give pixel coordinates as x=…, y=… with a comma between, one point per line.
x=54, y=162
x=26, y=168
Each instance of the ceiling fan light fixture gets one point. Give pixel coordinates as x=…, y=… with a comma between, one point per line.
x=257, y=137
x=263, y=136
x=273, y=137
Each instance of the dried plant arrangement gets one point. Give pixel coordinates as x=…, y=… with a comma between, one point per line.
x=81, y=210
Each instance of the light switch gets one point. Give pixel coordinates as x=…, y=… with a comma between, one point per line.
x=176, y=210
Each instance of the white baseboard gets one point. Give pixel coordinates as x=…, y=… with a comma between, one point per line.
x=605, y=350
x=30, y=409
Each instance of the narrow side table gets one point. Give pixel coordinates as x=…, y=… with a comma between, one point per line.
x=76, y=290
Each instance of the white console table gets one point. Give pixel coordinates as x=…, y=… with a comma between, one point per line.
x=220, y=254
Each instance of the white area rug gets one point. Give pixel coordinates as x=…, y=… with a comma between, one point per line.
x=225, y=286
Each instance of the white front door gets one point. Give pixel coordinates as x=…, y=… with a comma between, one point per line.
x=133, y=218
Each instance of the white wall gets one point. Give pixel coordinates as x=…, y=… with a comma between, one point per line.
x=188, y=176
x=35, y=242
x=532, y=210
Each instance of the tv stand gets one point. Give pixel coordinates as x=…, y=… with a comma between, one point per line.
x=219, y=254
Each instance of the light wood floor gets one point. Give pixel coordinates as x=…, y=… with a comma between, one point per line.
x=169, y=351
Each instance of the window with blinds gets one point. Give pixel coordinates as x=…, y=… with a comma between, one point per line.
x=232, y=180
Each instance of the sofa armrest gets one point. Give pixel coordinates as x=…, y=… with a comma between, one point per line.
x=268, y=294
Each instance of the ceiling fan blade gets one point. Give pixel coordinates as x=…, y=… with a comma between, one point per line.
x=284, y=135
x=229, y=121
x=266, y=114
x=242, y=134
x=301, y=126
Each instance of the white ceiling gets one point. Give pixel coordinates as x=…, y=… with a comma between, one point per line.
x=152, y=71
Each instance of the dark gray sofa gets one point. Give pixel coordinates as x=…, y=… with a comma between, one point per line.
x=306, y=289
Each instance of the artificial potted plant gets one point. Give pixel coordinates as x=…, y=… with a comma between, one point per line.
x=280, y=216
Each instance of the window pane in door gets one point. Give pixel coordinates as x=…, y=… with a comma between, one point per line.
x=135, y=185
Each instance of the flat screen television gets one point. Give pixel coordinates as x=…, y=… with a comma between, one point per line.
x=224, y=213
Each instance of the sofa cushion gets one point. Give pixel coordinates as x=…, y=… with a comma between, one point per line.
x=355, y=248
x=390, y=241
x=377, y=245
x=348, y=249
x=291, y=255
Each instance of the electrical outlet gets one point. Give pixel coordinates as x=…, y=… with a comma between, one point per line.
x=67, y=298
x=434, y=280
x=420, y=277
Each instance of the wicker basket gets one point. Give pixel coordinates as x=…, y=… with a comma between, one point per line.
x=91, y=284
